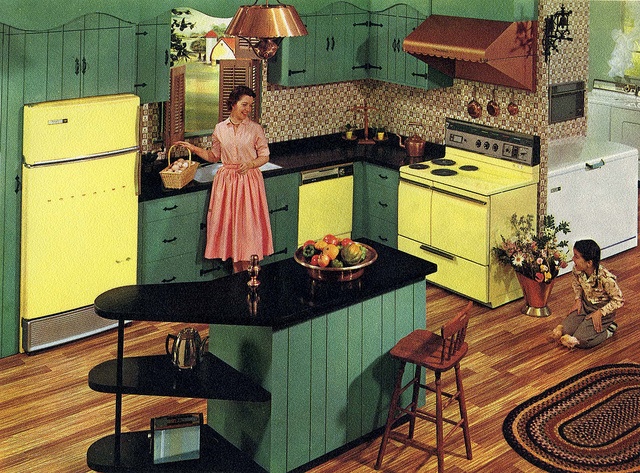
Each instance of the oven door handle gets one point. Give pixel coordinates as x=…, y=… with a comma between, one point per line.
x=438, y=252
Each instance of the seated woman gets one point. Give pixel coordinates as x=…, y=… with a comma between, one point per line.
x=597, y=297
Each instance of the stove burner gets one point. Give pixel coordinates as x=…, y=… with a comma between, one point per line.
x=418, y=166
x=444, y=172
x=443, y=162
x=468, y=167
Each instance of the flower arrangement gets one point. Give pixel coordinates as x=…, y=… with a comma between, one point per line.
x=537, y=256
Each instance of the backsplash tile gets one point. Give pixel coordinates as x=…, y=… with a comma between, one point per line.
x=300, y=112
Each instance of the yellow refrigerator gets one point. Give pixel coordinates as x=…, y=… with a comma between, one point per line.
x=79, y=214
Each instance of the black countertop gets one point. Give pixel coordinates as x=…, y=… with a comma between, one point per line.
x=286, y=295
x=304, y=154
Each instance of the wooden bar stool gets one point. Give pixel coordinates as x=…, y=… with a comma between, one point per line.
x=438, y=353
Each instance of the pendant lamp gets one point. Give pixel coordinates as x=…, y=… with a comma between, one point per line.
x=268, y=23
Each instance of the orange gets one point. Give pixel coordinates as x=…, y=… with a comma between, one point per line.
x=332, y=251
x=323, y=260
x=320, y=244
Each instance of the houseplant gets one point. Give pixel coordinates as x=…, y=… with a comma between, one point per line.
x=536, y=257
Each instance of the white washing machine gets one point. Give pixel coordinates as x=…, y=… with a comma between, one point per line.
x=593, y=186
x=614, y=113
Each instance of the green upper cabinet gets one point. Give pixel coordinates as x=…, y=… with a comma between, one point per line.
x=92, y=55
x=153, y=41
x=503, y=10
x=293, y=65
x=347, y=43
x=98, y=53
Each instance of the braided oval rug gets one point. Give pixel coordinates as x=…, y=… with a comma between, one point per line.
x=588, y=423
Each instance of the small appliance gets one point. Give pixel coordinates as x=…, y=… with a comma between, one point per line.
x=175, y=438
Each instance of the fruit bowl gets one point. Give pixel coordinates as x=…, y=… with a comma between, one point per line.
x=347, y=273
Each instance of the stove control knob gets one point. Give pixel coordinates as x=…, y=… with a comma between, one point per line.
x=495, y=147
x=478, y=143
x=486, y=145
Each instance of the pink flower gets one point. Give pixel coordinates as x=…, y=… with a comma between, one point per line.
x=539, y=277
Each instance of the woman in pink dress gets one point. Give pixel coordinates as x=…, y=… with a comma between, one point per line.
x=238, y=220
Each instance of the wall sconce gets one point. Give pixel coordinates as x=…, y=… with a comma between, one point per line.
x=268, y=23
x=556, y=28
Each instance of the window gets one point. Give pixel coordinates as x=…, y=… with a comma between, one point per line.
x=627, y=47
x=206, y=65
x=194, y=36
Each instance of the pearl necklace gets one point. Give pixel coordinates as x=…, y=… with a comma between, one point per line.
x=234, y=123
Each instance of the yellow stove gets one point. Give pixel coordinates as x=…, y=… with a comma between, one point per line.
x=453, y=210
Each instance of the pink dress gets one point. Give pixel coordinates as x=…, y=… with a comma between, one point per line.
x=238, y=220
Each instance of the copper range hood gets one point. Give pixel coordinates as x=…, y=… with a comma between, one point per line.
x=495, y=52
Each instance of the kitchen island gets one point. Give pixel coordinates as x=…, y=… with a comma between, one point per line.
x=320, y=349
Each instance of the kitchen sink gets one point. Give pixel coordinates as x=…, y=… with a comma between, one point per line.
x=206, y=172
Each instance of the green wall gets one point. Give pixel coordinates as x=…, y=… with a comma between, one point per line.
x=604, y=17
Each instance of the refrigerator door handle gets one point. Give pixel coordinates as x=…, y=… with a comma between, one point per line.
x=75, y=159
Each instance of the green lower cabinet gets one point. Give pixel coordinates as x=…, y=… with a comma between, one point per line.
x=330, y=378
x=172, y=238
x=379, y=206
x=282, y=198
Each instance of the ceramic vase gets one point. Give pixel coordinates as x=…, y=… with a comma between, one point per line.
x=536, y=294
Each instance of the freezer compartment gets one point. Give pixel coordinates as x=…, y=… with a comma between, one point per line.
x=76, y=128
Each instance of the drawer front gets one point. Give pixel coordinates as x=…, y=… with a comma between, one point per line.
x=211, y=269
x=382, y=202
x=177, y=269
x=457, y=274
x=382, y=176
x=170, y=207
x=383, y=231
x=166, y=238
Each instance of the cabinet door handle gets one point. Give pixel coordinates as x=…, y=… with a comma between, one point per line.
x=301, y=71
x=166, y=57
x=333, y=43
x=84, y=65
x=424, y=76
x=383, y=176
x=383, y=205
x=166, y=209
x=283, y=251
x=77, y=69
x=280, y=209
x=170, y=240
x=143, y=84
x=381, y=238
x=327, y=48
x=169, y=280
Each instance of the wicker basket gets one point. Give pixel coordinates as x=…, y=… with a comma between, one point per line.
x=177, y=180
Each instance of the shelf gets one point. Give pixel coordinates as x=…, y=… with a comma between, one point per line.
x=157, y=376
x=216, y=455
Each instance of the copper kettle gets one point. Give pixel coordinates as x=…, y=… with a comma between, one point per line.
x=413, y=145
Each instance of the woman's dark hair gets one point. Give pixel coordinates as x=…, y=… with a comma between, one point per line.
x=590, y=251
x=237, y=93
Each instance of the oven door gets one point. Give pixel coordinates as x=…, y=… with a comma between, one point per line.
x=460, y=223
x=414, y=211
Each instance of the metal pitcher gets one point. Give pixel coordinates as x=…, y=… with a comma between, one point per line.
x=187, y=349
